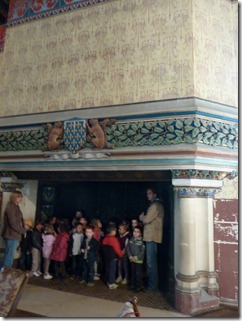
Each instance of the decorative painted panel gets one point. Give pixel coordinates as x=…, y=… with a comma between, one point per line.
x=119, y=52
x=28, y=139
x=115, y=53
x=139, y=133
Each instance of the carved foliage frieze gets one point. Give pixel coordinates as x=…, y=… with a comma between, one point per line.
x=172, y=132
x=27, y=139
x=138, y=133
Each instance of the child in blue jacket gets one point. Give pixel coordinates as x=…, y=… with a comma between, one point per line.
x=89, y=248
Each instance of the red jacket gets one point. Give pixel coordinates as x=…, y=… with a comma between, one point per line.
x=59, y=250
x=113, y=241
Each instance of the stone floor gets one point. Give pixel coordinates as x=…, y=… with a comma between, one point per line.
x=45, y=302
x=100, y=290
x=153, y=304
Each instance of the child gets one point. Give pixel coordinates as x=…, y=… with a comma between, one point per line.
x=77, y=239
x=89, y=249
x=84, y=222
x=36, y=250
x=26, y=247
x=123, y=238
x=134, y=223
x=96, y=223
x=112, y=251
x=48, y=237
x=135, y=252
x=59, y=251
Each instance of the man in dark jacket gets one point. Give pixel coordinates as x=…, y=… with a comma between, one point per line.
x=13, y=228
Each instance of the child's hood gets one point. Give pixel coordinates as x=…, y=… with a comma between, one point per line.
x=64, y=235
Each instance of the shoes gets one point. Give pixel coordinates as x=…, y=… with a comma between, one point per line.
x=118, y=280
x=112, y=286
x=36, y=274
x=48, y=276
x=90, y=284
x=82, y=282
x=124, y=281
x=96, y=278
x=40, y=273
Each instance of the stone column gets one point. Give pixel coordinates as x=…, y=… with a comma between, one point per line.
x=196, y=284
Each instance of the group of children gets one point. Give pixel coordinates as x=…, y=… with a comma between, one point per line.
x=84, y=251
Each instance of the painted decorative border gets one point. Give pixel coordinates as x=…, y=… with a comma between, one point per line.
x=28, y=139
x=173, y=132
x=202, y=174
x=25, y=11
x=196, y=192
x=137, y=134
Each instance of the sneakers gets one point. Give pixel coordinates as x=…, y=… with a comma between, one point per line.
x=90, y=284
x=118, y=280
x=124, y=281
x=82, y=282
x=36, y=274
x=48, y=277
x=112, y=286
x=40, y=273
x=96, y=278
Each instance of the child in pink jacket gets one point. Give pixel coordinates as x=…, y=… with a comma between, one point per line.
x=48, y=237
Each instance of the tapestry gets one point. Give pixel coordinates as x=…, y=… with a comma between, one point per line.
x=24, y=10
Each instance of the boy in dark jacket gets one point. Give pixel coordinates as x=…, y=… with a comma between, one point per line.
x=89, y=248
x=37, y=242
x=123, y=262
x=25, y=260
x=136, y=252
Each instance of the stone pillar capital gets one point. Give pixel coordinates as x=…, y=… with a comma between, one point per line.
x=197, y=183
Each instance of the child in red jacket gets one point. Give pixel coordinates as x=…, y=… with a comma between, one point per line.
x=59, y=250
x=111, y=251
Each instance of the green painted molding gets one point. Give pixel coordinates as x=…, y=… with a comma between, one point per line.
x=27, y=139
x=202, y=174
x=173, y=132
x=137, y=134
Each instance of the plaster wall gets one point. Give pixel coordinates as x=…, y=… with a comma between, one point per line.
x=215, y=49
x=121, y=52
x=115, y=53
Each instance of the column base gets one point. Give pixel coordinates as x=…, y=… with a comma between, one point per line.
x=196, y=302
